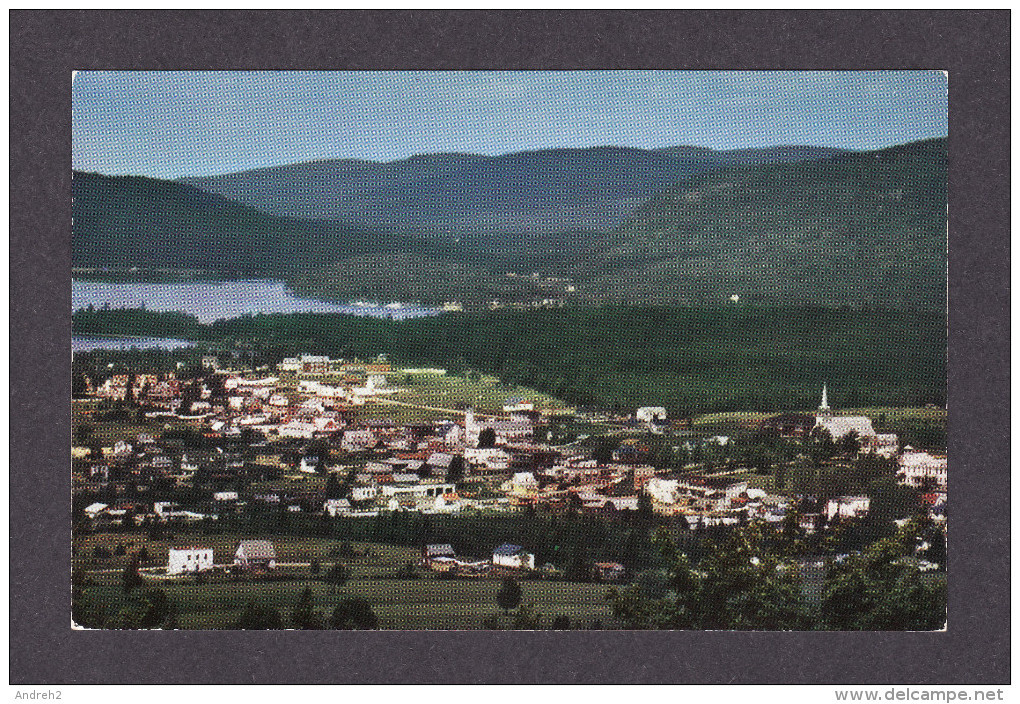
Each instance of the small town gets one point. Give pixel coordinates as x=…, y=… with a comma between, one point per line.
x=233, y=463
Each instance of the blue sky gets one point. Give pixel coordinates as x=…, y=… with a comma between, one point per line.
x=173, y=124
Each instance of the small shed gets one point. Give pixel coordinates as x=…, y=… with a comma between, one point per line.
x=255, y=553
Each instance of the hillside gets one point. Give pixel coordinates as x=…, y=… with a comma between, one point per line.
x=864, y=229
x=132, y=221
x=852, y=229
x=544, y=190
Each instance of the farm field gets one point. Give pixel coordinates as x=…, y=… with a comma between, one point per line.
x=426, y=603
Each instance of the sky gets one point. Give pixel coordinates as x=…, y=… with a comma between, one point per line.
x=197, y=123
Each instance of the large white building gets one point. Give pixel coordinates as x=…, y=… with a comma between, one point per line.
x=517, y=427
x=916, y=467
x=185, y=560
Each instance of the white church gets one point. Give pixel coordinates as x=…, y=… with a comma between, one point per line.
x=885, y=444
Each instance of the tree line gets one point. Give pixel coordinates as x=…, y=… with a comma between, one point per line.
x=687, y=360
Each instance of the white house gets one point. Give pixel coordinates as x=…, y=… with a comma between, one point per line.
x=364, y=493
x=358, y=439
x=647, y=414
x=916, y=467
x=513, y=556
x=418, y=490
x=847, y=507
x=883, y=444
x=297, y=429
x=522, y=484
x=93, y=510
x=336, y=507
x=255, y=553
x=662, y=491
x=182, y=560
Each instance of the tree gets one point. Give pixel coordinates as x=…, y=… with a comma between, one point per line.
x=130, y=578
x=315, y=567
x=487, y=438
x=821, y=445
x=259, y=618
x=456, y=471
x=148, y=609
x=527, y=618
x=561, y=623
x=645, y=510
x=354, y=614
x=737, y=586
x=338, y=575
x=509, y=595
x=603, y=450
x=303, y=615
x=849, y=444
x=333, y=489
x=879, y=589
x=83, y=433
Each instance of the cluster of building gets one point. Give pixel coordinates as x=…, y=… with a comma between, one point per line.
x=310, y=421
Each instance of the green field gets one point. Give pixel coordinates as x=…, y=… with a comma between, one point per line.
x=426, y=603
x=893, y=419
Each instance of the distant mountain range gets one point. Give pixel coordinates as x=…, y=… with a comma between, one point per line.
x=545, y=190
x=682, y=225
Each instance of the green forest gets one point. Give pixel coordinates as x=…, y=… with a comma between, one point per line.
x=688, y=360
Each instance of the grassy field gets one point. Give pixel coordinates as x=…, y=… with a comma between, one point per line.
x=426, y=603
x=892, y=418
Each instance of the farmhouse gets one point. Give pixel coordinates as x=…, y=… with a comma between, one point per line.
x=513, y=556
x=253, y=554
x=190, y=559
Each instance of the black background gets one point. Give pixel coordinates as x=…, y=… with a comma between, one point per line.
x=46, y=46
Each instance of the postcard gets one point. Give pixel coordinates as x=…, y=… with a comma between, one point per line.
x=497, y=350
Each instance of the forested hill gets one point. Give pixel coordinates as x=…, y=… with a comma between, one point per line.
x=544, y=190
x=864, y=229
x=722, y=358
x=126, y=221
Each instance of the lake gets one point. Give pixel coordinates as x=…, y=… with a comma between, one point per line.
x=215, y=300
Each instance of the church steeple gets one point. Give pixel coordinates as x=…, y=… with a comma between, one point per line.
x=824, y=408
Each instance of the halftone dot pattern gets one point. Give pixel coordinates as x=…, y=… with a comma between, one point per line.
x=732, y=281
